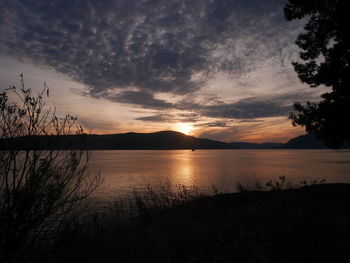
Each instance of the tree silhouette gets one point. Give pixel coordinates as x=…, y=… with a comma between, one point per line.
x=325, y=56
x=40, y=190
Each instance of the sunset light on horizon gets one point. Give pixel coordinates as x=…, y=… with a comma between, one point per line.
x=185, y=128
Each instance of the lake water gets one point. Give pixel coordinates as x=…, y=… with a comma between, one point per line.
x=124, y=171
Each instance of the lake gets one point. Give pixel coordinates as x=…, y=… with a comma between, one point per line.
x=124, y=170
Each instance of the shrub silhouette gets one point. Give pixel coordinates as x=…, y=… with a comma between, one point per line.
x=40, y=190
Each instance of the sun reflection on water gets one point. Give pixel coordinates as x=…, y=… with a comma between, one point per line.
x=183, y=171
x=124, y=171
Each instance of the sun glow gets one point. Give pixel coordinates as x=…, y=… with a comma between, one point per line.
x=185, y=128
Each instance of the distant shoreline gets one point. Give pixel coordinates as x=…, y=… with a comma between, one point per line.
x=164, y=140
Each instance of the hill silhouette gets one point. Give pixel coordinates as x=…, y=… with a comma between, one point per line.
x=163, y=140
x=126, y=141
x=156, y=140
x=308, y=141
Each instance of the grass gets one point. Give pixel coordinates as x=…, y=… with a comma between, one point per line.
x=277, y=222
x=277, y=185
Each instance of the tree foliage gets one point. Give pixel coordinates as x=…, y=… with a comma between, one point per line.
x=325, y=60
x=39, y=189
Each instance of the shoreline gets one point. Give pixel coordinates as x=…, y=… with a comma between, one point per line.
x=307, y=224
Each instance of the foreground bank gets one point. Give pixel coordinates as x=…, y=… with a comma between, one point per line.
x=309, y=224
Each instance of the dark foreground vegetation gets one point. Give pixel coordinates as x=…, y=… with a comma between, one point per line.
x=308, y=224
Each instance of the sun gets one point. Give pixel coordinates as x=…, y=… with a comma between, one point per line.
x=185, y=128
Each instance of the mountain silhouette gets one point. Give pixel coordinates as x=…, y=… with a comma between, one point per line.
x=156, y=140
x=308, y=141
x=126, y=141
x=163, y=140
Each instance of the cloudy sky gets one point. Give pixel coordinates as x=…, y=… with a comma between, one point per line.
x=212, y=68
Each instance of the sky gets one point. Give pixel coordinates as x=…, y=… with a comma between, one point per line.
x=219, y=69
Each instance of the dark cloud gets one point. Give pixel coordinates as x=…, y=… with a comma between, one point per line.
x=150, y=45
x=251, y=107
x=142, y=98
x=213, y=124
x=245, y=110
x=156, y=118
x=171, y=118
